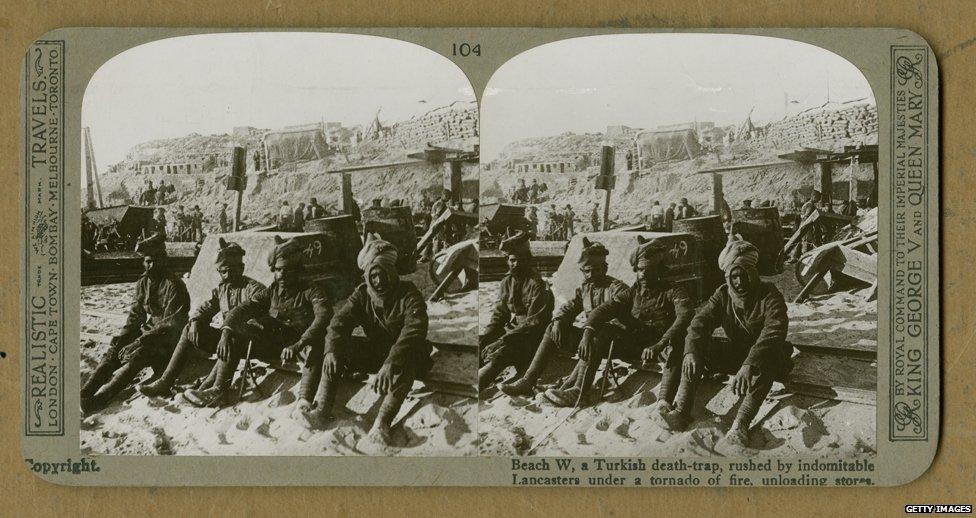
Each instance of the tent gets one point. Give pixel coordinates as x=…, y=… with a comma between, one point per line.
x=130, y=219
x=298, y=145
x=661, y=146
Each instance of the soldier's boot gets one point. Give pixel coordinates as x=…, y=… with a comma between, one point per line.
x=311, y=379
x=217, y=394
x=163, y=386
x=579, y=394
x=392, y=401
x=317, y=416
x=568, y=381
x=678, y=418
x=738, y=434
x=488, y=373
x=525, y=385
x=119, y=381
x=670, y=379
x=103, y=372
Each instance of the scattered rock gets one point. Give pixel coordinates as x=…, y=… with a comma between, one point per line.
x=723, y=402
x=264, y=428
x=428, y=416
x=162, y=442
x=243, y=423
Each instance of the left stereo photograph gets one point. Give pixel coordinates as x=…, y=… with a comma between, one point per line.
x=278, y=249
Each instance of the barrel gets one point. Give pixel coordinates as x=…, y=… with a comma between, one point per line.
x=711, y=233
x=341, y=235
x=761, y=227
x=395, y=224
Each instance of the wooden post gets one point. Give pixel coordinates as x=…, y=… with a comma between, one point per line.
x=874, y=188
x=606, y=169
x=236, y=181
x=452, y=170
x=345, y=194
x=824, y=181
x=237, y=211
x=851, y=182
x=718, y=195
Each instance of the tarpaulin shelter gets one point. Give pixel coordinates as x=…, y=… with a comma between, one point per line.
x=297, y=145
x=683, y=260
x=130, y=220
x=661, y=146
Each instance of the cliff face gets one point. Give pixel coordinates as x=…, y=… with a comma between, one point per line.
x=454, y=126
x=829, y=128
x=265, y=192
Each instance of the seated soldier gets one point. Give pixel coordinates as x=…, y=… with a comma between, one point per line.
x=753, y=315
x=288, y=317
x=392, y=314
x=654, y=314
x=597, y=288
x=157, y=315
x=234, y=288
x=520, y=317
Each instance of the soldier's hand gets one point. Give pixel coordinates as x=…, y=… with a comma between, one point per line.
x=125, y=354
x=384, y=379
x=689, y=366
x=742, y=381
x=223, y=346
x=649, y=354
x=555, y=332
x=290, y=353
x=192, y=333
x=586, y=345
x=656, y=352
x=330, y=367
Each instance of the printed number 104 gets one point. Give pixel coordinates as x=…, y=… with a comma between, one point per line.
x=465, y=49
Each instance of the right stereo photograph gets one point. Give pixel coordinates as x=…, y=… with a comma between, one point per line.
x=678, y=251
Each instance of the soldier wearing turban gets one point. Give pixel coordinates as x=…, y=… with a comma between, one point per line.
x=156, y=317
x=753, y=315
x=392, y=315
x=233, y=288
x=597, y=288
x=654, y=314
x=520, y=316
x=281, y=322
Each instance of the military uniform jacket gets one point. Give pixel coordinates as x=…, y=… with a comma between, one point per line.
x=523, y=303
x=159, y=306
x=305, y=311
x=589, y=296
x=666, y=310
x=396, y=330
x=225, y=297
x=762, y=326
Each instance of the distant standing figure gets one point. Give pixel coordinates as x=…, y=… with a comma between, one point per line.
x=534, y=191
x=284, y=217
x=196, y=224
x=657, y=216
x=568, y=218
x=161, y=193
x=669, y=217
x=313, y=210
x=298, y=219
x=685, y=211
x=595, y=218
x=222, y=219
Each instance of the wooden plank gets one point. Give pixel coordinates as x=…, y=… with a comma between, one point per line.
x=851, y=395
x=856, y=264
x=805, y=292
x=865, y=353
